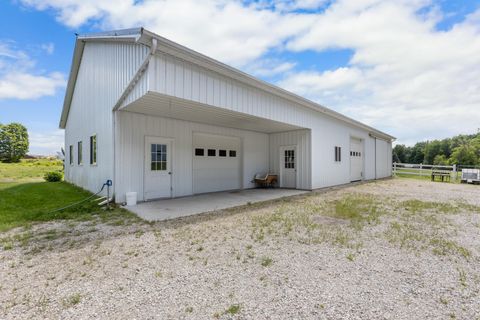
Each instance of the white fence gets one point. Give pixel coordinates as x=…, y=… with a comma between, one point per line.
x=423, y=169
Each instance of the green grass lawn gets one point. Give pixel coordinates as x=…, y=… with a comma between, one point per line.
x=25, y=198
x=28, y=169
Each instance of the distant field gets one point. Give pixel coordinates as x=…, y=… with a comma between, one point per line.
x=28, y=169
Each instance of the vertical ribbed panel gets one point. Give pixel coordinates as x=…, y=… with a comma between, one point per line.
x=300, y=139
x=132, y=129
x=106, y=69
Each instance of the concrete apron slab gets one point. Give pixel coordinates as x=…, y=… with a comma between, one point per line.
x=181, y=207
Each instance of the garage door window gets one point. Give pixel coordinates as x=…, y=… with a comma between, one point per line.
x=158, y=157
x=199, y=152
x=233, y=153
x=222, y=153
x=212, y=152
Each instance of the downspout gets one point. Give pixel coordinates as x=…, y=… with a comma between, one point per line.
x=122, y=98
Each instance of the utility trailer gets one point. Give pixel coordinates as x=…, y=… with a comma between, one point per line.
x=471, y=176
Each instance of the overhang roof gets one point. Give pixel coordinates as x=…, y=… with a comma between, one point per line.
x=143, y=36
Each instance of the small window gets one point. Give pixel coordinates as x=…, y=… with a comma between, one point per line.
x=199, y=152
x=212, y=152
x=70, y=154
x=232, y=153
x=359, y=154
x=289, y=161
x=338, y=154
x=79, y=151
x=158, y=161
x=93, y=149
x=222, y=153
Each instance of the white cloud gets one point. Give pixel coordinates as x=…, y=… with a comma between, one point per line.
x=46, y=143
x=48, y=47
x=18, y=80
x=405, y=77
x=226, y=30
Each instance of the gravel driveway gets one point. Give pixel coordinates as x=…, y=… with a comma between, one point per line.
x=392, y=249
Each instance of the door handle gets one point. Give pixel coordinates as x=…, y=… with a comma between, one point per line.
x=170, y=173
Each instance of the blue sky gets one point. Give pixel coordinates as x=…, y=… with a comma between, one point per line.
x=407, y=67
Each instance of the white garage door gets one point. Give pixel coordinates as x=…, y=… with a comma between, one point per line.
x=356, y=159
x=216, y=163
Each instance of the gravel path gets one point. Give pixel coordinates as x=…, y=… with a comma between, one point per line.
x=299, y=258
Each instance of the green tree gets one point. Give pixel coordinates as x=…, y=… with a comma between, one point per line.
x=13, y=142
x=432, y=149
x=418, y=153
x=401, y=153
x=440, y=160
x=464, y=155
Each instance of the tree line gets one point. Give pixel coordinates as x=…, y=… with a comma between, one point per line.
x=459, y=150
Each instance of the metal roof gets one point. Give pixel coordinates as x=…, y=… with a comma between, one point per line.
x=143, y=36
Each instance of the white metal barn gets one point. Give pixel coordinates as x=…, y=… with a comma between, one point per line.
x=164, y=121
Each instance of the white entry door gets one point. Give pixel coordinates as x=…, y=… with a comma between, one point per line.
x=356, y=159
x=158, y=168
x=288, y=167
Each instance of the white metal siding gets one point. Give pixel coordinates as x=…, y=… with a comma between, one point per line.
x=133, y=127
x=185, y=80
x=384, y=159
x=105, y=70
x=300, y=139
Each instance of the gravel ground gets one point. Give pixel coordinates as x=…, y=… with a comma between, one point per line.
x=392, y=249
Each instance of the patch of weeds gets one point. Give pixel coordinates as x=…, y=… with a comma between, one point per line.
x=88, y=260
x=139, y=233
x=200, y=249
x=462, y=277
x=444, y=247
x=266, y=261
x=417, y=206
x=8, y=245
x=72, y=300
x=189, y=309
x=233, y=309
x=406, y=234
x=359, y=209
x=158, y=274
x=443, y=300
x=350, y=256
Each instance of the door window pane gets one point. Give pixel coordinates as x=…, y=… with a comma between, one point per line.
x=212, y=152
x=222, y=153
x=199, y=152
x=158, y=161
x=289, y=159
x=233, y=153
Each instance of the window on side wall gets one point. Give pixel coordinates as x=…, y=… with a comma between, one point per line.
x=79, y=153
x=338, y=154
x=70, y=154
x=93, y=149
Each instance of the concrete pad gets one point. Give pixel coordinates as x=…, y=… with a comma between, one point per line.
x=181, y=207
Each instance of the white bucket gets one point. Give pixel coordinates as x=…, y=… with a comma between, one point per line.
x=131, y=198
